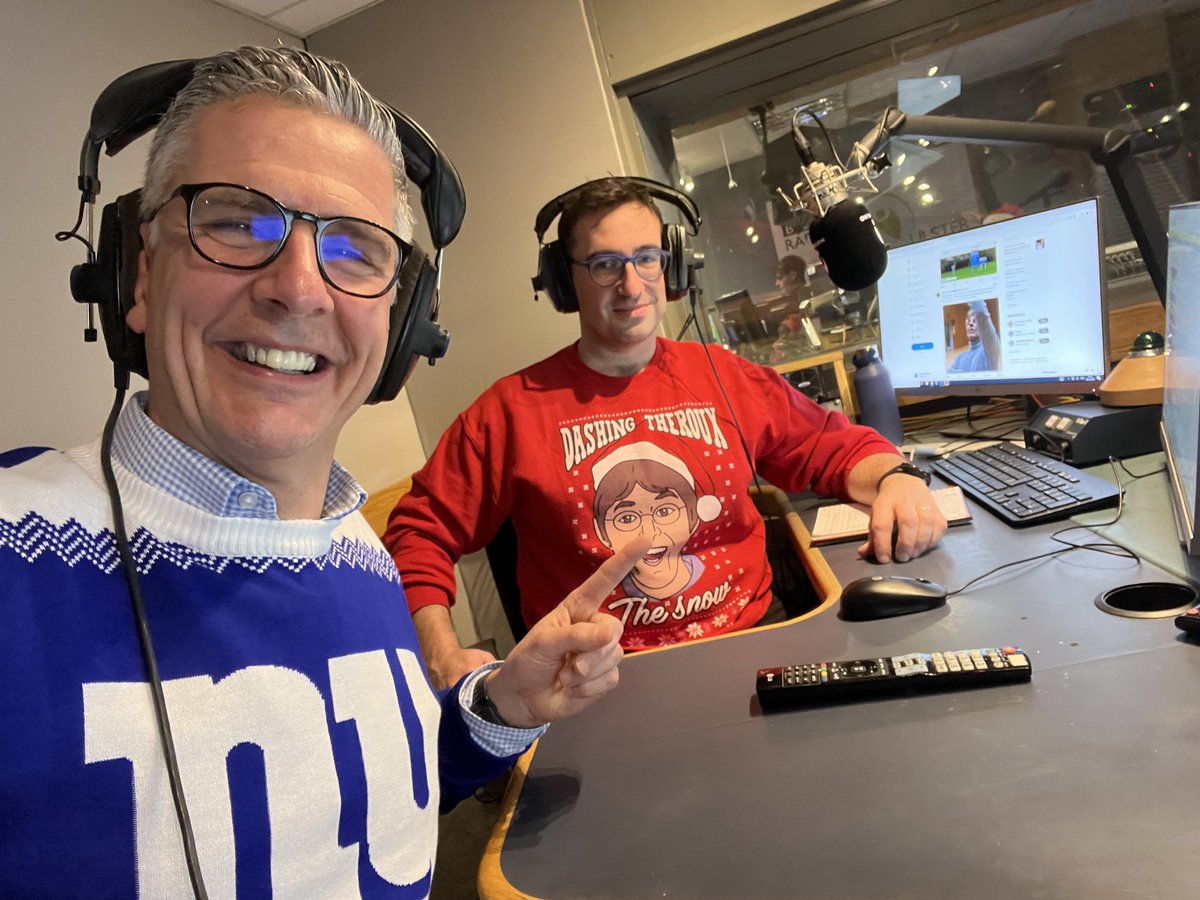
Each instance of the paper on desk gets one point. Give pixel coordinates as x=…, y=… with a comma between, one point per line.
x=846, y=521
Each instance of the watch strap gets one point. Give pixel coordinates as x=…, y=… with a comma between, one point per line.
x=482, y=705
x=904, y=468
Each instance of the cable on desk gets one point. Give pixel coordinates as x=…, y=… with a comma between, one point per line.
x=1135, y=477
x=981, y=435
x=1109, y=547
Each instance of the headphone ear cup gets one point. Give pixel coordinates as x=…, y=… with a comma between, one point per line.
x=110, y=280
x=412, y=327
x=675, y=241
x=554, y=274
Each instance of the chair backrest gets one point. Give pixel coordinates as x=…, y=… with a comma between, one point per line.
x=380, y=503
x=502, y=558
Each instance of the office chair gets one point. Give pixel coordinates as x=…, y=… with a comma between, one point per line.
x=502, y=559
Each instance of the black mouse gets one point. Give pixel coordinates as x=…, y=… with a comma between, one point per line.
x=881, y=596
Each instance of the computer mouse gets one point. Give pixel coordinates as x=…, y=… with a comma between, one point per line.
x=881, y=596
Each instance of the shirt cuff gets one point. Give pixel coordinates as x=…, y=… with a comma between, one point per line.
x=498, y=740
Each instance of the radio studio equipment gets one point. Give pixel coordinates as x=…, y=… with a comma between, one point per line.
x=827, y=188
x=843, y=231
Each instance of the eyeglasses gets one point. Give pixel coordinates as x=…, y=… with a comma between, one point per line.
x=241, y=228
x=631, y=519
x=607, y=269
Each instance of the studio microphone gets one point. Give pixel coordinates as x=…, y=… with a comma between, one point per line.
x=843, y=231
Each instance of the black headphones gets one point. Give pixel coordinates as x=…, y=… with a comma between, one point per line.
x=554, y=265
x=132, y=105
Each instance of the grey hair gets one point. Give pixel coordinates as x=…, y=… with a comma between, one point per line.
x=290, y=74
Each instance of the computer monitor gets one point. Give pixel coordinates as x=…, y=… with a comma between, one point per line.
x=740, y=319
x=1181, y=376
x=1016, y=307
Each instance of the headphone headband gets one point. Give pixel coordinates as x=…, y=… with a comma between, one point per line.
x=554, y=268
x=659, y=191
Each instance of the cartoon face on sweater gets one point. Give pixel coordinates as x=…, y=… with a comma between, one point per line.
x=641, y=489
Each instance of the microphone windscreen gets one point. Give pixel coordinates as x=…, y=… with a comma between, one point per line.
x=850, y=245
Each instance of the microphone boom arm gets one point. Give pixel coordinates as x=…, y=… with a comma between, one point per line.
x=1110, y=148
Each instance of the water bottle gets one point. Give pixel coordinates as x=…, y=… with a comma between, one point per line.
x=876, y=396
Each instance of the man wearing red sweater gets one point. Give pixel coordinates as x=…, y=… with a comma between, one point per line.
x=624, y=434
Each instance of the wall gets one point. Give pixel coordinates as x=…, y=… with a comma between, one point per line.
x=57, y=56
x=639, y=37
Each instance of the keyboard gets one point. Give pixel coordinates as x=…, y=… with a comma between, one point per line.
x=1023, y=487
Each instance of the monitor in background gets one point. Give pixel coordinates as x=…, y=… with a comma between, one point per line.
x=1012, y=308
x=740, y=319
x=1181, y=376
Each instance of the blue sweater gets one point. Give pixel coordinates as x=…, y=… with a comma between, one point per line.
x=313, y=752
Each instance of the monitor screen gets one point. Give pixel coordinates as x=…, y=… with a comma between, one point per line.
x=1014, y=307
x=1181, y=371
x=740, y=319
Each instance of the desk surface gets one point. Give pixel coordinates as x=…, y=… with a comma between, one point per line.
x=1077, y=784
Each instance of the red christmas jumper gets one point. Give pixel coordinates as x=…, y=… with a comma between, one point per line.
x=582, y=461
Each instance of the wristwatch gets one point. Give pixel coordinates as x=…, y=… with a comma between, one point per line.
x=904, y=468
x=482, y=705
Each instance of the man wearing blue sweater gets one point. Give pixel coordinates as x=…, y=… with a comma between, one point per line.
x=308, y=755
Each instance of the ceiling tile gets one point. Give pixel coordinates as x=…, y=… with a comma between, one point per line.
x=307, y=16
x=299, y=17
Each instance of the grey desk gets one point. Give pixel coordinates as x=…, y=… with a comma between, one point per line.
x=1082, y=783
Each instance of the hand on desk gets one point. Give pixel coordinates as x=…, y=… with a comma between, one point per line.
x=905, y=521
x=570, y=657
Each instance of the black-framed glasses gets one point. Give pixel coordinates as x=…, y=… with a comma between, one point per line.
x=631, y=519
x=240, y=228
x=607, y=269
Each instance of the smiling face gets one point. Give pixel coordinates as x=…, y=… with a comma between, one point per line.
x=260, y=369
x=618, y=324
x=660, y=573
x=642, y=497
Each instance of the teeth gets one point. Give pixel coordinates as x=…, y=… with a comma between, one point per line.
x=274, y=358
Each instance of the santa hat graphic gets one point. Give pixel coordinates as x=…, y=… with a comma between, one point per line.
x=708, y=507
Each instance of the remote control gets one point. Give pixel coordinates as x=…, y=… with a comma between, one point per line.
x=826, y=682
x=1189, y=623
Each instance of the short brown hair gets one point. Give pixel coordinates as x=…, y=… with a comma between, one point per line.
x=652, y=476
x=600, y=196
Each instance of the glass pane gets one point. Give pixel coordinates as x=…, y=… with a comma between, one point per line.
x=1072, y=66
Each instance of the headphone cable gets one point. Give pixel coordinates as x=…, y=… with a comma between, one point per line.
x=143, y=628
x=693, y=300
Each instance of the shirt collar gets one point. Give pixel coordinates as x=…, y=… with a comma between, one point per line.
x=186, y=474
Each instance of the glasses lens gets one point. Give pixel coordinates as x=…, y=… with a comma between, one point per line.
x=606, y=270
x=235, y=227
x=631, y=520
x=667, y=513
x=358, y=257
x=649, y=263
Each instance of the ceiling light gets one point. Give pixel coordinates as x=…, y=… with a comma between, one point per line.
x=909, y=180
x=933, y=70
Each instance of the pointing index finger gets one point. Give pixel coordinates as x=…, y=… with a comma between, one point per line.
x=581, y=604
